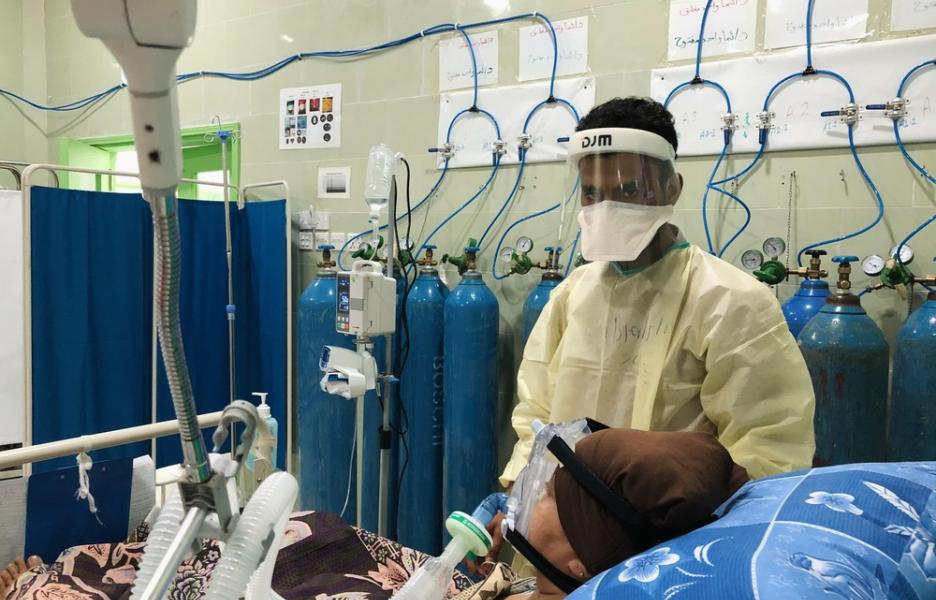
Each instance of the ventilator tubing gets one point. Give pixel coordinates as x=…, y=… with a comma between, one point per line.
x=167, y=277
x=256, y=538
x=167, y=525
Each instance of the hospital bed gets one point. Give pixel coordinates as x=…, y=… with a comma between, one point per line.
x=22, y=383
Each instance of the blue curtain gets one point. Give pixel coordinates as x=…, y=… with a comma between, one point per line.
x=92, y=313
x=91, y=316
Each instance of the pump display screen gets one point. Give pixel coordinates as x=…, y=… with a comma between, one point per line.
x=343, y=303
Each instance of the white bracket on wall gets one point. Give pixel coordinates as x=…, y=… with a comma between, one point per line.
x=765, y=119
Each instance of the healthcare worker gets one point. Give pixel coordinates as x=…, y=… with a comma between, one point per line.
x=656, y=334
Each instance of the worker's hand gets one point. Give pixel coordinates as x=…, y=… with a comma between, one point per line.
x=483, y=565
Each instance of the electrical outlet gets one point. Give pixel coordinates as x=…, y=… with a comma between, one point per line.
x=322, y=220
x=306, y=241
x=306, y=221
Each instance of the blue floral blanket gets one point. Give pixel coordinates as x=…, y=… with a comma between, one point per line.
x=856, y=532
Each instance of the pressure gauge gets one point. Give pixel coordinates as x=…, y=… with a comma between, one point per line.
x=525, y=245
x=872, y=265
x=506, y=254
x=752, y=259
x=906, y=254
x=774, y=247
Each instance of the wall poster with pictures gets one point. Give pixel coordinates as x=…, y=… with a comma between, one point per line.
x=310, y=117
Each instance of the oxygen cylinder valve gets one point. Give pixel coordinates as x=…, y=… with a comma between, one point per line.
x=552, y=259
x=844, y=272
x=429, y=259
x=467, y=261
x=326, y=262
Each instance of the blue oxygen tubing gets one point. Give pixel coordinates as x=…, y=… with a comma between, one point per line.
x=522, y=154
x=473, y=109
x=698, y=80
x=523, y=220
x=906, y=153
x=764, y=133
x=323, y=54
x=551, y=99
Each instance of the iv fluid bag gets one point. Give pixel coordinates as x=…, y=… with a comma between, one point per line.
x=379, y=177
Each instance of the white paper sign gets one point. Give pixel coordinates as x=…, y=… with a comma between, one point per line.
x=334, y=182
x=913, y=14
x=874, y=70
x=536, y=49
x=831, y=22
x=12, y=363
x=731, y=27
x=473, y=134
x=310, y=117
x=455, y=67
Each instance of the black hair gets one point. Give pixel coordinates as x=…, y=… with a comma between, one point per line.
x=634, y=113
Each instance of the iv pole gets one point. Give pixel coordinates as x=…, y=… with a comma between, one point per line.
x=224, y=136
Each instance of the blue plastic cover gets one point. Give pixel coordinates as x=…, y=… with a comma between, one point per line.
x=856, y=532
x=56, y=520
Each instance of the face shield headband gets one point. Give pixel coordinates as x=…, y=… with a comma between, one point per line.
x=629, y=166
x=553, y=437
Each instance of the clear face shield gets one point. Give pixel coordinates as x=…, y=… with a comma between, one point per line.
x=554, y=446
x=627, y=188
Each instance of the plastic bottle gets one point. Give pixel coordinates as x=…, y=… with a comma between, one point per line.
x=379, y=177
x=261, y=459
x=432, y=580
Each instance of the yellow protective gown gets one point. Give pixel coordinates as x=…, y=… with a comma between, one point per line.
x=690, y=343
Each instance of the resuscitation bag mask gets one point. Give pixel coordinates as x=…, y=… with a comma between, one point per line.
x=627, y=188
x=554, y=445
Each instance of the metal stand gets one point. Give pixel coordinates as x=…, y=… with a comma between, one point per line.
x=385, y=437
x=224, y=136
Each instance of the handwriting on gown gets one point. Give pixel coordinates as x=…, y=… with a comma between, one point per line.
x=628, y=332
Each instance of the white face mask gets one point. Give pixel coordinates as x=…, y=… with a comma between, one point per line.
x=619, y=231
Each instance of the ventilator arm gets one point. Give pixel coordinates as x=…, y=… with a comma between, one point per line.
x=760, y=398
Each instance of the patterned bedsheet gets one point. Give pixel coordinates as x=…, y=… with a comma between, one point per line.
x=322, y=558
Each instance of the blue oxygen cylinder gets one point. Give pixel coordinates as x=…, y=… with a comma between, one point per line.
x=848, y=361
x=325, y=431
x=809, y=300
x=810, y=297
x=536, y=301
x=470, y=386
x=912, y=425
x=421, y=392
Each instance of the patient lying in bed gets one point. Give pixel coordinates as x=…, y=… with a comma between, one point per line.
x=876, y=540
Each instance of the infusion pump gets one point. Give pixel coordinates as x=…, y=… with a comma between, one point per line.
x=365, y=301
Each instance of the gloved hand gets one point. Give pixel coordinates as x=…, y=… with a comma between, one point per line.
x=482, y=566
x=491, y=510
